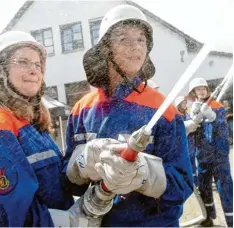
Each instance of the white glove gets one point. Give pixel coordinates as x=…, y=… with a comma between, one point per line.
x=119, y=175
x=197, y=118
x=81, y=166
x=75, y=216
x=196, y=106
x=207, y=111
x=156, y=182
x=190, y=126
x=196, y=114
x=146, y=175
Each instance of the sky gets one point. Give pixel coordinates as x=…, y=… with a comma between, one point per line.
x=208, y=21
x=8, y=8
x=204, y=20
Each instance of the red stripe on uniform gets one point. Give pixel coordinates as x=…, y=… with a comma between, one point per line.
x=88, y=101
x=152, y=99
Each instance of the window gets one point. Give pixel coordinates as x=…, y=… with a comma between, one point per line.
x=45, y=37
x=75, y=91
x=71, y=37
x=52, y=92
x=94, y=30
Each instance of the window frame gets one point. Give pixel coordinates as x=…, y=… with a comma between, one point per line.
x=55, y=87
x=90, y=30
x=69, y=26
x=70, y=93
x=43, y=38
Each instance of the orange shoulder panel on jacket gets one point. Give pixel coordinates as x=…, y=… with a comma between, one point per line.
x=9, y=122
x=152, y=99
x=216, y=105
x=88, y=101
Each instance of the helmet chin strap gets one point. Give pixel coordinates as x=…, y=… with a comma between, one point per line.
x=182, y=110
x=26, y=98
x=12, y=87
x=125, y=77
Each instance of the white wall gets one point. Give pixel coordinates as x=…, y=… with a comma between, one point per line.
x=219, y=69
x=166, y=56
x=63, y=68
x=67, y=68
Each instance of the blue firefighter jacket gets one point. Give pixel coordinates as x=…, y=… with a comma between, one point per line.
x=212, y=138
x=99, y=116
x=30, y=164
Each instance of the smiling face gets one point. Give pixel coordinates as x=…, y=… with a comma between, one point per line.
x=183, y=105
x=25, y=71
x=129, y=48
x=201, y=92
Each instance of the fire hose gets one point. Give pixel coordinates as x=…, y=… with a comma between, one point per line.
x=227, y=83
x=220, y=89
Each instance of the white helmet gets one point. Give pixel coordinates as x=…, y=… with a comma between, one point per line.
x=197, y=82
x=178, y=100
x=152, y=84
x=95, y=59
x=122, y=13
x=18, y=38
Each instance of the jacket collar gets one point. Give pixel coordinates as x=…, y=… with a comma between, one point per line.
x=123, y=89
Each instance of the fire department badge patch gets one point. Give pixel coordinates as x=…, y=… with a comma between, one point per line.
x=8, y=176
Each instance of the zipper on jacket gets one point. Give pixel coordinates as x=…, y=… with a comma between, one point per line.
x=158, y=205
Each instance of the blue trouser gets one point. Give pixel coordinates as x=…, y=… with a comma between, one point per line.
x=222, y=176
x=230, y=131
x=230, y=125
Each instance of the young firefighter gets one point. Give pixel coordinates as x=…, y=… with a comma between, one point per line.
x=212, y=151
x=32, y=192
x=191, y=127
x=118, y=65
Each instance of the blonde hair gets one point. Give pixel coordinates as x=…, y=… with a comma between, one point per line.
x=30, y=109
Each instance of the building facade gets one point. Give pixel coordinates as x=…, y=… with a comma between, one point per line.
x=69, y=28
